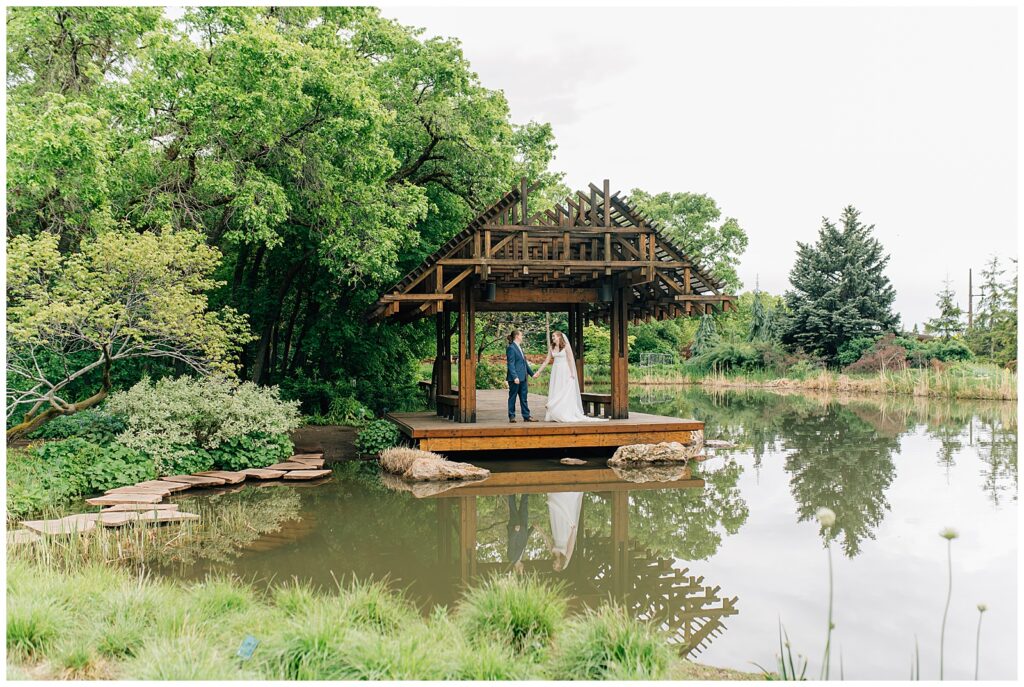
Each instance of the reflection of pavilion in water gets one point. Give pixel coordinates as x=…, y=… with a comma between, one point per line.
x=603, y=565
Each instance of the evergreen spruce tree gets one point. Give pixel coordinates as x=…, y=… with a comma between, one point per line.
x=840, y=290
x=763, y=321
x=706, y=336
x=994, y=335
x=950, y=318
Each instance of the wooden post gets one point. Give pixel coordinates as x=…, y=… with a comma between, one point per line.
x=467, y=353
x=620, y=354
x=576, y=339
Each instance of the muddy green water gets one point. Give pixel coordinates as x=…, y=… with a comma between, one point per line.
x=718, y=564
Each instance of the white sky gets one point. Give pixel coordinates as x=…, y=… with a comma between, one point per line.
x=783, y=115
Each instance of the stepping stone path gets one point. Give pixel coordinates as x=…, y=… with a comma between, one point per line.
x=195, y=480
x=306, y=474
x=229, y=477
x=143, y=502
x=264, y=473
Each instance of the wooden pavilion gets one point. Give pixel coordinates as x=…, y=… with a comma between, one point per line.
x=593, y=256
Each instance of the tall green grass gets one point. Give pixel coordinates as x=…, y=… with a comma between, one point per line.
x=97, y=621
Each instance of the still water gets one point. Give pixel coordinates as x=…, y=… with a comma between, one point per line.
x=718, y=556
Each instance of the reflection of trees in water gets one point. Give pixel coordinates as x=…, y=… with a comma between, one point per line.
x=761, y=421
x=839, y=461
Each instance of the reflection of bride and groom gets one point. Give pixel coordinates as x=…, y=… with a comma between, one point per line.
x=564, y=514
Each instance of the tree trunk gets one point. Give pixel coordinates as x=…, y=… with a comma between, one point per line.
x=33, y=421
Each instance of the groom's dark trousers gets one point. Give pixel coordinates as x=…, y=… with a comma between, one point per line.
x=518, y=368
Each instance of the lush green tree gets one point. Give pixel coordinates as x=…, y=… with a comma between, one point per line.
x=123, y=296
x=694, y=221
x=840, y=290
x=323, y=151
x=949, y=321
x=994, y=335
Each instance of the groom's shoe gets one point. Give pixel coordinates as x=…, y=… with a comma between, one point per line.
x=511, y=419
x=528, y=419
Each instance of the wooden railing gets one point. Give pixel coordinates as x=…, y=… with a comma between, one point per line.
x=597, y=405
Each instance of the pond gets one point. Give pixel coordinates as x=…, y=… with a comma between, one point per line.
x=718, y=557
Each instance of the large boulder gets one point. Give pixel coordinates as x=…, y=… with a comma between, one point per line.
x=423, y=466
x=658, y=454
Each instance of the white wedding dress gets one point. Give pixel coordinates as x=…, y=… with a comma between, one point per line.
x=564, y=402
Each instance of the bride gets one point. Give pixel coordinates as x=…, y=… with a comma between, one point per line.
x=564, y=401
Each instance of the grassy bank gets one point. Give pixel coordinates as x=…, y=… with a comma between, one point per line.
x=959, y=381
x=97, y=621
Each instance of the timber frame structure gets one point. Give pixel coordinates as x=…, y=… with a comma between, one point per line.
x=594, y=256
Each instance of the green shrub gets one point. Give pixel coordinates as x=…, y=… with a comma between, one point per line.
x=608, y=644
x=94, y=424
x=725, y=356
x=179, y=421
x=86, y=467
x=347, y=410
x=490, y=376
x=250, y=451
x=520, y=611
x=377, y=436
x=851, y=351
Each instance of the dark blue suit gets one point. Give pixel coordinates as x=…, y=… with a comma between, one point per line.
x=518, y=368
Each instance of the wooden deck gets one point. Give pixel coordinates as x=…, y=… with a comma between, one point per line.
x=492, y=431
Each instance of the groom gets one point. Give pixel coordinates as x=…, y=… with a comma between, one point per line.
x=519, y=371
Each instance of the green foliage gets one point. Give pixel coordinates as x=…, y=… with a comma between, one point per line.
x=949, y=321
x=840, y=290
x=764, y=321
x=706, y=336
x=694, y=222
x=94, y=424
x=254, y=450
x=123, y=295
x=994, y=335
x=490, y=375
x=658, y=336
x=188, y=425
x=321, y=152
x=377, y=436
x=852, y=350
x=597, y=341
x=608, y=644
x=32, y=624
x=521, y=612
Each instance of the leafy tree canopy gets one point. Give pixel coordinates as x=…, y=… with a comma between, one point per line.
x=694, y=221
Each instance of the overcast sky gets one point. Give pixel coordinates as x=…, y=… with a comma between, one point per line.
x=782, y=115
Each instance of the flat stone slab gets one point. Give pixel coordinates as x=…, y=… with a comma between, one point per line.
x=288, y=465
x=572, y=461
x=173, y=486
x=115, y=499
x=195, y=480
x=226, y=475
x=135, y=489
x=306, y=474
x=121, y=519
x=128, y=507
x=264, y=473
x=313, y=462
x=16, y=537
x=82, y=522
